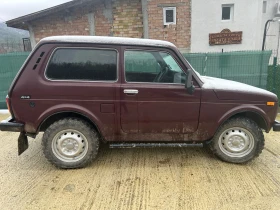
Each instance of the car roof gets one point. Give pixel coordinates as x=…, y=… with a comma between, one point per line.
x=108, y=40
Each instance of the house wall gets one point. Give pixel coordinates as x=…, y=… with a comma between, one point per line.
x=248, y=17
x=74, y=22
x=273, y=29
x=103, y=18
x=178, y=34
x=106, y=18
x=128, y=18
x=118, y=18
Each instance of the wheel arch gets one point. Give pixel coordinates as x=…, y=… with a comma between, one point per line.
x=64, y=114
x=255, y=114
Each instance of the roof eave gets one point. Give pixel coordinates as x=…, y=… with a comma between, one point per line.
x=21, y=22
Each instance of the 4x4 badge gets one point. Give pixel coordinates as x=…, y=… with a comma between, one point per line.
x=25, y=97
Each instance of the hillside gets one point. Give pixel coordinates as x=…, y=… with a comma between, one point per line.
x=11, y=35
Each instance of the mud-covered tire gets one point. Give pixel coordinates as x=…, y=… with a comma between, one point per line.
x=238, y=140
x=70, y=143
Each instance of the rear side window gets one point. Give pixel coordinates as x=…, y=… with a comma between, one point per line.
x=83, y=64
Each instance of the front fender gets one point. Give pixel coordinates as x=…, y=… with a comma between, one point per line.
x=242, y=109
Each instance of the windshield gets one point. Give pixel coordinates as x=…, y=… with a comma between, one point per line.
x=171, y=63
x=174, y=66
x=198, y=74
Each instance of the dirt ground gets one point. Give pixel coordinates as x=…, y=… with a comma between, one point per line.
x=163, y=178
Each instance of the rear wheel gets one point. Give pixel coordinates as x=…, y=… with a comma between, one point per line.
x=70, y=143
x=239, y=140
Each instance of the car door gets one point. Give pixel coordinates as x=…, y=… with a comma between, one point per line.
x=153, y=96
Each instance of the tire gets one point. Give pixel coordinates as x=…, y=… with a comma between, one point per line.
x=238, y=140
x=70, y=143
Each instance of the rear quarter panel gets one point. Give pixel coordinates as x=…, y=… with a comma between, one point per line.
x=52, y=97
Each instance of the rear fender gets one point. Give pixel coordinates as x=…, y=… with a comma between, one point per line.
x=69, y=108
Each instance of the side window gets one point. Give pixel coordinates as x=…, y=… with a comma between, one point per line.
x=169, y=15
x=83, y=64
x=227, y=12
x=152, y=66
x=141, y=62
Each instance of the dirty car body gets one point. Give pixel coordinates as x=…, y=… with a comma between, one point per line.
x=128, y=90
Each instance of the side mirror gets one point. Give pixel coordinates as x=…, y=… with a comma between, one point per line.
x=189, y=83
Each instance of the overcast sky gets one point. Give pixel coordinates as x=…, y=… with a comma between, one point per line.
x=10, y=9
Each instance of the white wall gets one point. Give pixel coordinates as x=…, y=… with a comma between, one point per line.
x=248, y=17
x=273, y=29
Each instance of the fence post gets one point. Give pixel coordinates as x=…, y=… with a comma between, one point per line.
x=261, y=64
x=205, y=64
x=274, y=73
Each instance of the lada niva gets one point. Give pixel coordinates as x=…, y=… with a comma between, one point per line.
x=82, y=91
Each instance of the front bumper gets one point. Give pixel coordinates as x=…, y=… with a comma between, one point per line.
x=276, y=126
x=10, y=125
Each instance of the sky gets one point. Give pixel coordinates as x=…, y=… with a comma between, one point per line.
x=10, y=9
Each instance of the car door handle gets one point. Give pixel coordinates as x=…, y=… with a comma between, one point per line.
x=130, y=91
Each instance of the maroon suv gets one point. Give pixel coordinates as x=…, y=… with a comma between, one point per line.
x=81, y=91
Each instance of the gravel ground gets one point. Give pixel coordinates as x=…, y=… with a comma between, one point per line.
x=162, y=178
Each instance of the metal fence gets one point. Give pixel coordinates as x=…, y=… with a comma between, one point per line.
x=250, y=67
x=8, y=46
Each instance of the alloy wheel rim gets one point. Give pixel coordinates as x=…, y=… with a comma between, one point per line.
x=236, y=142
x=70, y=145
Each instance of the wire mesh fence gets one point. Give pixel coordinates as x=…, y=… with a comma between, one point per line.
x=11, y=47
x=251, y=67
x=274, y=54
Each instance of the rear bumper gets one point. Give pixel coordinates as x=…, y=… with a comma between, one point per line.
x=276, y=126
x=10, y=125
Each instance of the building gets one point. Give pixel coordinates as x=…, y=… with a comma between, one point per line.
x=155, y=19
x=196, y=26
x=244, y=18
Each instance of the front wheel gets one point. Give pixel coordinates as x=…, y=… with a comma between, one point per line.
x=239, y=140
x=70, y=143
